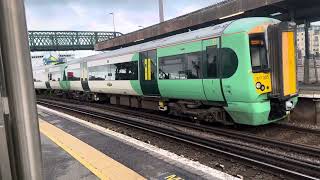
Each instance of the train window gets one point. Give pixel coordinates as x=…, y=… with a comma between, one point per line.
x=172, y=67
x=125, y=71
x=73, y=74
x=258, y=53
x=99, y=73
x=229, y=62
x=193, y=65
x=212, y=62
x=40, y=76
x=55, y=76
x=119, y=71
x=183, y=66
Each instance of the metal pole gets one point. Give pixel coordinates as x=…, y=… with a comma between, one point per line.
x=161, y=11
x=24, y=126
x=315, y=68
x=307, y=52
x=5, y=166
x=114, y=27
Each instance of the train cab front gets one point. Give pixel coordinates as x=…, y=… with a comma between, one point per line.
x=273, y=60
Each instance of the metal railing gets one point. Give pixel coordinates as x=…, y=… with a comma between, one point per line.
x=314, y=73
x=67, y=40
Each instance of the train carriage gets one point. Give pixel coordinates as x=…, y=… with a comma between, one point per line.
x=242, y=71
x=113, y=76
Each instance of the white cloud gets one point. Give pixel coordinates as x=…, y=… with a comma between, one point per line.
x=93, y=15
x=78, y=9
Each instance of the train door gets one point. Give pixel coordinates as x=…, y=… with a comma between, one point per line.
x=148, y=73
x=211, y=70
x=48, y=78
x=84, y=76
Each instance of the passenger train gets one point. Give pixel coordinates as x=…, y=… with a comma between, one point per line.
x=242, y=71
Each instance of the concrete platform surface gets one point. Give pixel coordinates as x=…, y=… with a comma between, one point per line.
x=121, y=153
x=58, y=164
x=309, y=91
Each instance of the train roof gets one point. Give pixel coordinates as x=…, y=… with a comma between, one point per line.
x=245, y=25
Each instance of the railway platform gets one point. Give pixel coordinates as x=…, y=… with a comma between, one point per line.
x=76, y=149
x=307, y=110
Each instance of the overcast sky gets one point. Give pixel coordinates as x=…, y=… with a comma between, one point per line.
x=93, y=15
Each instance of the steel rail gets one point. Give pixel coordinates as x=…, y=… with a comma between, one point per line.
x=308, y=150
x=287, y=166
x=297, y=128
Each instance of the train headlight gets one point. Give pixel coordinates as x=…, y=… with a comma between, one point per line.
x=289, y=105
x=258, y=85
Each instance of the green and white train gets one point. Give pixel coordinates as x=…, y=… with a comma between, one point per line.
x=242, y=71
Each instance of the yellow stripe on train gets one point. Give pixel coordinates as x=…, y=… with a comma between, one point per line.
x=288, y=64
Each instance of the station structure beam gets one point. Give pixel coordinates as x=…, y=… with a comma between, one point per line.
x=67, y=40
x=284, y=10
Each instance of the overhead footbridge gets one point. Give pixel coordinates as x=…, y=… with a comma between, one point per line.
x=67, y=40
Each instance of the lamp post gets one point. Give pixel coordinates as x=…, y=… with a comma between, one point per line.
x=161, y=18
x=114, y=27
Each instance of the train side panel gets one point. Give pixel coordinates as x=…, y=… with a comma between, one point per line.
x=211, y=80
x=72, y=74
x=75, y=86
x=112, y=87
x=245, y=104
x=177, y=82
x=135, y=84
x=40, y=77
x=115, y=75
x=40, y=85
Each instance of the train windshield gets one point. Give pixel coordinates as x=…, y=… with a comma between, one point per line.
x=258, y=53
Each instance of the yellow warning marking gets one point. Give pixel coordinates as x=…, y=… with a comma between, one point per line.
x=265, y=82
x=173, y=177
x=146, y=69
x=98, y=163
x=289, y=64
x=149, y=69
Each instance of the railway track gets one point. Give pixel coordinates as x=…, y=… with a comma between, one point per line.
x=298, y=128
x=292, y=147
x=153, y=116
x=286, y=165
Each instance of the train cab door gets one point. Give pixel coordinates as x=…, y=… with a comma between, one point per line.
x=148, y=73
x=211, y=70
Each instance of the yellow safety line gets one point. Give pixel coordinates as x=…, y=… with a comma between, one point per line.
x=97, y=162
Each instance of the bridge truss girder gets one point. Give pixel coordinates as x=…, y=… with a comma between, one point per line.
x=67, y=40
